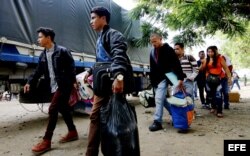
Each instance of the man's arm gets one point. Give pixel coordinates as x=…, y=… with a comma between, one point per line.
x=224, y=66
x=71, y=64
x=176, y=65
x=37, y=73
x=194, y=65
x=118, y=49
x=120, y=67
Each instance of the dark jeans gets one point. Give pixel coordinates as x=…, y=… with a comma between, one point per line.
x=225, y=90
x=94, y=137
x=60, y=104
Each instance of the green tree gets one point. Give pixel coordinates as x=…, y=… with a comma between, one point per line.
x=195, y=19
x=238, y=50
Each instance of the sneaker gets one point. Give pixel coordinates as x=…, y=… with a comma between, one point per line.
x=43, y=146
x=219, y=115
x=155, y=126
x=183, y=131
x=203, y=106
x=71, y=136
x=226, y=107
x=208, y=107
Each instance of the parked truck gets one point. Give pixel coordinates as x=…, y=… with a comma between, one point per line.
x=70, y=19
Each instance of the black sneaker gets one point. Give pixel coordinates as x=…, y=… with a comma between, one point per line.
x=226, y=107
x=155, y=126
x=207, y=106
x=203, y=106
x=183, y=131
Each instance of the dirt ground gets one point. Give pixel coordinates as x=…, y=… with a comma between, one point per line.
x=21, y=129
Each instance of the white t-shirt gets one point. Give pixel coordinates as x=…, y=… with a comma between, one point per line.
x=228, y=61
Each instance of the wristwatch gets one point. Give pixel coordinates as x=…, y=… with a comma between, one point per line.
x=120, y=77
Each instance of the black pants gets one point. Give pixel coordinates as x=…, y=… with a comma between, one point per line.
x=59, y=103
x=201, y=86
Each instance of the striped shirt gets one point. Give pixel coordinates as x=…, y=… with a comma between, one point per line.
x=189, y=66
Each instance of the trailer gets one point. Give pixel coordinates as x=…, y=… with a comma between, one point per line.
x=70, y=20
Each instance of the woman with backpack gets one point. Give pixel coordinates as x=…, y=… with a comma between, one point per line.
x=214, y=65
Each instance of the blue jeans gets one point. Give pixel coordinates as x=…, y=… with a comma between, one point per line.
x=160, y=101
x=195, y=89
x=225, y=90
x=236, y=81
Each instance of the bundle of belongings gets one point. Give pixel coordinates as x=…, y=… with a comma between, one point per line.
x=234, y=96
x=182, y=109
x=182, y=106
x=82, y=97
x=147, y=98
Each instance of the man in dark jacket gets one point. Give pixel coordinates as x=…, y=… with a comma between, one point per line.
x=201, y=80
x=57, y=66
x=162, y=60
x=111, y=47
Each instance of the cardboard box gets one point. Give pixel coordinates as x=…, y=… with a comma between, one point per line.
x=234, y=97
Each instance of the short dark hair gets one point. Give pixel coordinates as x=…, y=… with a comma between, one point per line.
x=155, y=34
x=47, y=32
x=101, y=11
x=179, y=44
x=202, y=51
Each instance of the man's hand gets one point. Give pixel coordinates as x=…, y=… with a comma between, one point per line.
x=26, y=88
x=229, y=81
x=117, y=86
x=85, y=78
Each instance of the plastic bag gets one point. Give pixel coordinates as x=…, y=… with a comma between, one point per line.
x=74, y=97
x=119, y=132
x=147, y=98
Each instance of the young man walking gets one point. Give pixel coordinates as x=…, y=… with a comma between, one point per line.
x=57, y=66
x=111, y=47
x=190, y=70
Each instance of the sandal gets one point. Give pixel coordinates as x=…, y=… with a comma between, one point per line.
x=220, y=115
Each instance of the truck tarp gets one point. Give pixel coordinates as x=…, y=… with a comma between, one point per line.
x=70, y=19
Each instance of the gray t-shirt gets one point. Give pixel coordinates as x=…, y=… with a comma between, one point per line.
x=53, y=83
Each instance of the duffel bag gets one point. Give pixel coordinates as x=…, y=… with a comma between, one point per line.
x=182, y=116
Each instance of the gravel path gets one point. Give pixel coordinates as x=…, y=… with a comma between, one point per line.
x=21, y=129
